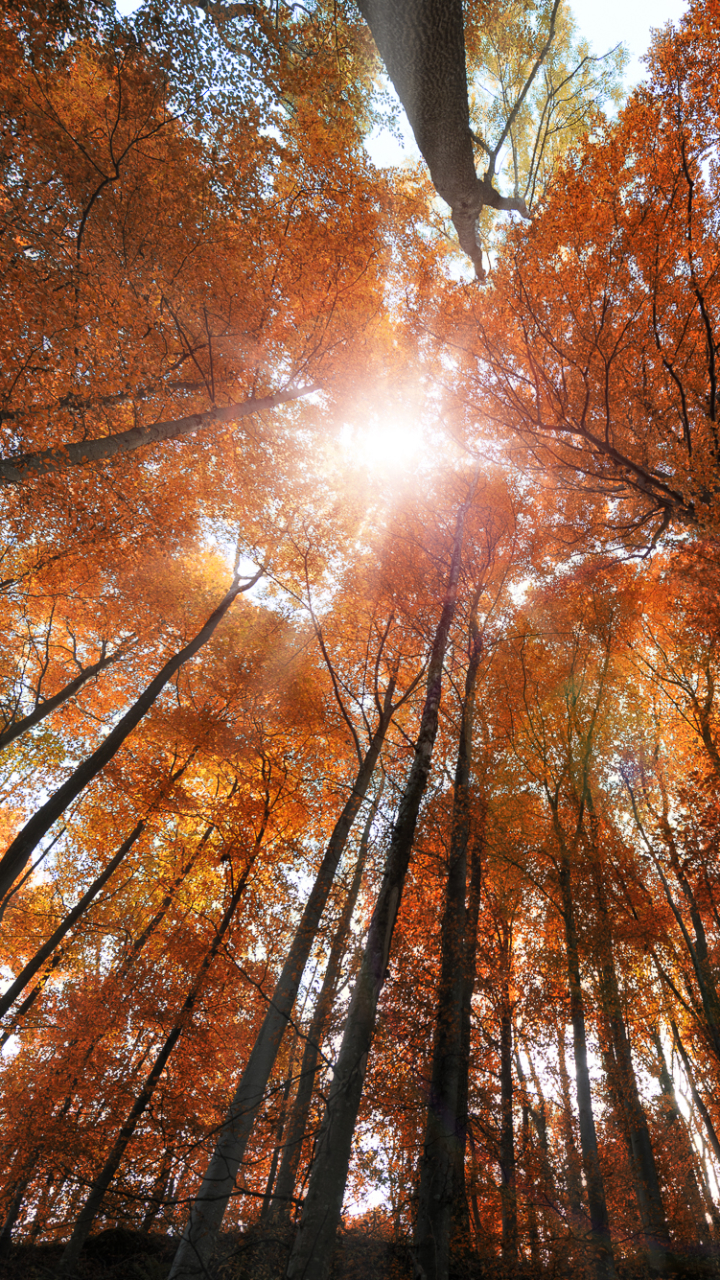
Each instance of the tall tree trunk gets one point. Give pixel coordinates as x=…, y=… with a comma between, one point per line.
x=442, y=1166
x=697, y=1099
x=101, y=1184
x=21, y=848
x=599, y=1223
x=282, y=1202
x=200, y=1236
x=43, y=952
x=26, y=466
x=315, y=1240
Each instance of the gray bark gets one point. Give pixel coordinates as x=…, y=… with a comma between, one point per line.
x=422, y=43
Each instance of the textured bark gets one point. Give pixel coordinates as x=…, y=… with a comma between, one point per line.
x=422, y=43
x=26, y=466
x=312, y=1252
x=19, y=852
x=282, y=1202
x=442, y=1168
x=200, y=1237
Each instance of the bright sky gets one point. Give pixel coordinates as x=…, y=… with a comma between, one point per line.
x=624, y=21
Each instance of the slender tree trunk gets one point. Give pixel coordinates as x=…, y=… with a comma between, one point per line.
x=26, y=466
x=599, y=1223
x=89, y=1210
x=43, y=952
x=442, y=1167
x=315, y=1240
x=200, y=1237
x=282, y=1202
x=48, y=705
x=41, y=955
x=20, y=851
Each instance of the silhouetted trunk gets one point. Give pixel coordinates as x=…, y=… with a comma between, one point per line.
x=26, y=466
x=282, y=1202
x=315, y=1240
x=461, y=1207
x=48, y=705
x=100, y=1185
x=46, y=950
x=599, y=1223
x=19, y=852
x=442, y=1167
x=199, y=1240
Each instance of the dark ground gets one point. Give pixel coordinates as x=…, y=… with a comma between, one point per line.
x=121, y=1254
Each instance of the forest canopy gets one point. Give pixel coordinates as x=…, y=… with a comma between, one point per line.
x=359, y=675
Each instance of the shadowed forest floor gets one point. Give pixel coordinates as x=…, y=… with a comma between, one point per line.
x=361, y=1255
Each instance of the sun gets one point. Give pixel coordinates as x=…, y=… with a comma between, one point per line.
x=392, y=443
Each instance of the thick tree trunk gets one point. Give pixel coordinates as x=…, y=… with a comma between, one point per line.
x=48, y=705
x=599, y=1223
x=21, y=848
x=422, y=43
x=282, y=1202
x=315, y=1240
x=442, y=1168
x=99, y=1187
x=200, y=1237
x=26, y=466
